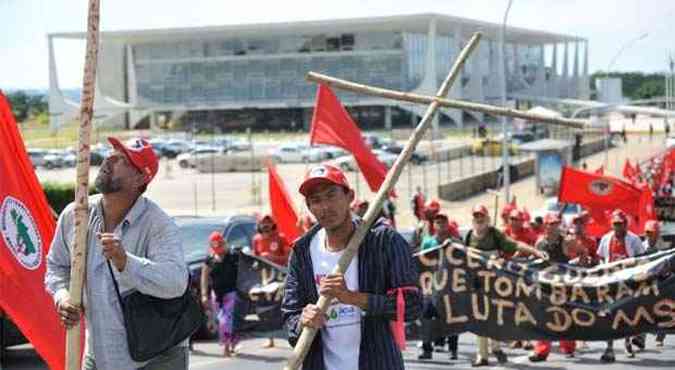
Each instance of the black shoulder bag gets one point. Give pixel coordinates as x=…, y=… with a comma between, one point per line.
x=154, y=325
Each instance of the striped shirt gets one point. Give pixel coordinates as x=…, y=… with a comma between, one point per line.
x=155, y=266
x=385, y=263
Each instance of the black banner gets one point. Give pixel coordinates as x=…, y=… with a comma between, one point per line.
x=512, y=300
x=261, y=284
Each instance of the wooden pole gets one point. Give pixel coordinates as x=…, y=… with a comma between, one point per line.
x=78, y=252
x=449, y=103
x=308, y=334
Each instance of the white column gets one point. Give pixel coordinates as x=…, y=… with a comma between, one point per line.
x=540, y=82
x=574, y=83
x=554, y=81
x=585, y=81
x=564, y=83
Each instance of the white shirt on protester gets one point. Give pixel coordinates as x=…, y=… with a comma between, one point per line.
x=341, y=334
x=633, y=245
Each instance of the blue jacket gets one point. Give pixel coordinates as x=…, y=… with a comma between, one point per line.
x=385, y=263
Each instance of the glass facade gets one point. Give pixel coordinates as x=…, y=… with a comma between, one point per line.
x=264, y=70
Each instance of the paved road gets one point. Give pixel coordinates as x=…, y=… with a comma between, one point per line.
x=253, y=357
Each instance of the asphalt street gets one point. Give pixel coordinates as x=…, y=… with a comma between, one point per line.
x=252, y=355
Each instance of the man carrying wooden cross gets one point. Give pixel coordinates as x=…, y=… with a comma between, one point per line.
x=369, y=303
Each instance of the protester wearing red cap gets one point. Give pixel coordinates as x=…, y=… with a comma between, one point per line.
x=585, y=249
x=379, y=284
x=220, y=297
x=616, y=245
x=417, y=204
x=425, y=227
x=127, y=233
x=516, y=230
x=558, y=248
x=490, y=240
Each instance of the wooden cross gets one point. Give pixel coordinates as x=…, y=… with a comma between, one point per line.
x=434, y=102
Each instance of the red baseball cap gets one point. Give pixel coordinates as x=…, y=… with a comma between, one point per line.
x=140, y=154
x=433, y=205
x=322, y=174
x=551, y=218
x=652, y=225
x=618, y=216
x=480, y=209
x=216, y=237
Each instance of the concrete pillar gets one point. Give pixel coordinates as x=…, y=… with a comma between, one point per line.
x=387, y=117
x=574, y=83
x=564, y=83
x=540, y=79
x=554, y=89
x=430, y=70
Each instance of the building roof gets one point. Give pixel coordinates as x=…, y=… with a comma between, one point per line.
x=408, y=23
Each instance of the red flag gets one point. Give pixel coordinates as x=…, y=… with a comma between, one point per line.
x=646, y=208
x=332, y=125
x=282, y=206
x=600, y=192
x=27, y=227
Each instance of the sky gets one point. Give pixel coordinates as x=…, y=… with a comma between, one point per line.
x=608, y=25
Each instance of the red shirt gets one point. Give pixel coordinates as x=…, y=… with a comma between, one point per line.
x=524, y=235
x=617, y=249
x=275, y=248
x=587, y=243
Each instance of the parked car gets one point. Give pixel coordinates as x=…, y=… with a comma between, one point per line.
x=162, y=149
x=189, y=159
x=297, y=153
x=394, y=148
x=231, y=161
x=37, y=157
x=178, y=146
x=238, y=231
x=551, y=205
x=373, y=141
x=348, y=163
x=54, y=159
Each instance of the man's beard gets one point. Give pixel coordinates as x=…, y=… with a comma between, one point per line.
x=105, y=184
x=479, y=229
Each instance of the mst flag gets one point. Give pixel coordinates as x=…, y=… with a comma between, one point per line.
x=260, y=283
x=332, y=125
x=600, y=192
x=282, y=206
x=26, y=228
x=507, y=300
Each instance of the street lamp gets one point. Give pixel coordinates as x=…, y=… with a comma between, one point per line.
x=502, y=82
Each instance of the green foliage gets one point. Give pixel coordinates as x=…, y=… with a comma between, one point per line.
x=636, y=85
x=25, y=106
x=59, y=194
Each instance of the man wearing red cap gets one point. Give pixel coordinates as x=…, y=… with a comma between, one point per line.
x=131, y=238
x=369, y=302
x=585, y=251
x=558, y=249
x=417, y=204
x=616, y=245
x=425, y=227
x=654, y=243
x=516, y=229
x=490, y=240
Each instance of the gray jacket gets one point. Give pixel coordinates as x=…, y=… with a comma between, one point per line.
x=155, y=266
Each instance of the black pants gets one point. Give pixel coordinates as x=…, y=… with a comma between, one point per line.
x=429, y=313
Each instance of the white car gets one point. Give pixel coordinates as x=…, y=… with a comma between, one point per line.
x=348, y=163
x=297, y=153
x=189, y=159
x=551, y=205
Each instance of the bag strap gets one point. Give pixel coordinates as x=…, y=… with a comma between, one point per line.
x=117, y=288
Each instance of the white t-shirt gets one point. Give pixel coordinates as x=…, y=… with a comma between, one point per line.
x=341, y=335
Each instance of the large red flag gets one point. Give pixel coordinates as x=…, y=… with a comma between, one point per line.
x=647, y=211
x=282, y=206
x=600, y=192
x=27, y=227
x=332, y=125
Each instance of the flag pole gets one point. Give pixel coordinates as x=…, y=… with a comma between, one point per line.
x=79, y=249
x=308, y=334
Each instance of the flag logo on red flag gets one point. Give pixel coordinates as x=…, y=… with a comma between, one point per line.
x=600, y=187
x=20, y=233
